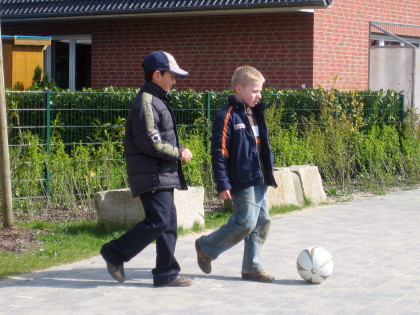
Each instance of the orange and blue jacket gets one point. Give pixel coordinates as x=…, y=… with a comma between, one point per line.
x=235, y=159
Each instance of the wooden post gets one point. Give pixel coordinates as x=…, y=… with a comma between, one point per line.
x=5, y=179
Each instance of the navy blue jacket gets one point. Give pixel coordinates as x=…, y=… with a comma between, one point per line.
x=151, y=143
x=234, y=151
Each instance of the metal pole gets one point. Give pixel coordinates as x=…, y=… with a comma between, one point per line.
x=5, y=179
x=402, y=99
x=414, y=85
x=208, y=106
x=369, y=53
x=48, y=138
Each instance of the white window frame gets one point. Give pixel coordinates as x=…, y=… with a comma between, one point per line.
x=72, y=55
x=383, y=39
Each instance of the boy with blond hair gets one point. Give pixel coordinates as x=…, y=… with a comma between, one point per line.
x=243, y=167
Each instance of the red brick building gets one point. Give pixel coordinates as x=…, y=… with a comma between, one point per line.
x=293, y=43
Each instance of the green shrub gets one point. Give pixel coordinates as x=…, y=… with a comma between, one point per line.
x=198, y=171
x=379, y=154
x=353, y=137
x=410, y=147
x=27, y=162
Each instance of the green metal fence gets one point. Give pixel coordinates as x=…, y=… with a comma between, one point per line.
x=79, y=117
x=92, y=119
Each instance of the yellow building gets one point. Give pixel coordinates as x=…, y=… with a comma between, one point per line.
x=21, y=55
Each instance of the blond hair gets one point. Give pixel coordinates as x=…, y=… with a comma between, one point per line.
x=245, y=75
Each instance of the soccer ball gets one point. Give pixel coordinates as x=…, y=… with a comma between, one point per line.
x=315, y=264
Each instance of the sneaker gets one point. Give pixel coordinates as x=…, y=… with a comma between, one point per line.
x=116, y=272
x=179, y=282
x=260, y=276
x=203, y=261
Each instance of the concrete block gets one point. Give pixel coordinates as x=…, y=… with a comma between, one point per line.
x=311, y=182
x=298, y=189
x=286, y=192
x=189, y=206
x=119, y=207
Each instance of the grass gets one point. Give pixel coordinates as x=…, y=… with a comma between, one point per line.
x=68, y=242
x=285, y=209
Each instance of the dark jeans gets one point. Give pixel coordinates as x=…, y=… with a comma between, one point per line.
x=159, y=224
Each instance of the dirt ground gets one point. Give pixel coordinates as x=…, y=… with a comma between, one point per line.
x=18, y=239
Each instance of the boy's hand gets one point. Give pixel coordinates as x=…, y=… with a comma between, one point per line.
x=186, y=155
x=225, y=195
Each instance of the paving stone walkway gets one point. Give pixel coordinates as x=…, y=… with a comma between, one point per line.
x=375, y=243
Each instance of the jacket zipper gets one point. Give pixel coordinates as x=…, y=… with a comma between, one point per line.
x=254, y=142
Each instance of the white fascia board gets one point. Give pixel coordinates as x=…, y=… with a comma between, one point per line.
x=170, y=14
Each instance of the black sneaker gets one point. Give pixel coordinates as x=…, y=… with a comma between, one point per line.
x=179, y=282
x=203, y=261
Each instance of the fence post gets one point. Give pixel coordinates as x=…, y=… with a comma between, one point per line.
x=5, y=176
x=47, y=137
x=208, y=102
x=208, y=116
x=402, y=100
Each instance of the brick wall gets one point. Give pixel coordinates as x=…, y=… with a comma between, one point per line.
x=290, y=49
x=210, y=48
x=342, y=37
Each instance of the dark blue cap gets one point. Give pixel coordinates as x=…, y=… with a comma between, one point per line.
x=163, y=61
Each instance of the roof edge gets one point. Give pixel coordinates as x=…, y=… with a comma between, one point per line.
x=181, y=11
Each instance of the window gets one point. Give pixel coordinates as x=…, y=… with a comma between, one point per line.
x=69, y=61
x=387, y=41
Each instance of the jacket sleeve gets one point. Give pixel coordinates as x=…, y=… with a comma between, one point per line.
x=146, y=134
x=220, y=145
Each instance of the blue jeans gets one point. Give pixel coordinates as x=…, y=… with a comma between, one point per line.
x=250, y=222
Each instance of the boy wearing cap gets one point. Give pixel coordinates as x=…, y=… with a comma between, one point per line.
x=153, y=157
x=243, y=167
